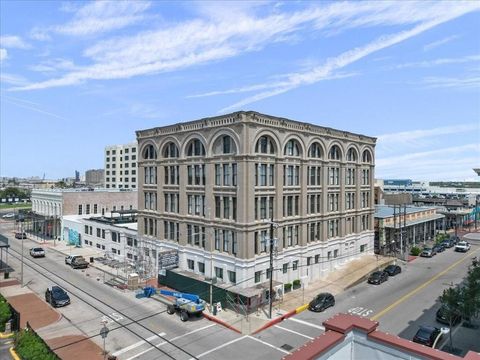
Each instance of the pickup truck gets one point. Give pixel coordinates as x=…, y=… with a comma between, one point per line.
x=79, y=263
x=462, y=246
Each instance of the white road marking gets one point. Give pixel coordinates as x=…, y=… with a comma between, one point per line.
x=360, y=311
x=306, y=323
x=219, y=347
x=173, y=339
x=294, y=332
x=265, y=343
x=137, y=344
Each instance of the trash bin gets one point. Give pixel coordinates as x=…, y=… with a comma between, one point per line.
x=214, y=310
x=91, y=259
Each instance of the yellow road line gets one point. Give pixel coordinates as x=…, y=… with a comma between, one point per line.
x=414, y=291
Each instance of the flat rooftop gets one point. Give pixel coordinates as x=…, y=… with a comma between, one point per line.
x=386, y=211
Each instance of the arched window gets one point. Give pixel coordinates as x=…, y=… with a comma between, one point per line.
x=195, y=148
x=334, y=153
x=367, y=157
x=352, y=155
x=170, y=150
x=149, y=153
x=265, y=145
x=315, y=151
x=292, y=148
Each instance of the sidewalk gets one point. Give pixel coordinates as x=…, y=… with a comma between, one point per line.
x=295, y=301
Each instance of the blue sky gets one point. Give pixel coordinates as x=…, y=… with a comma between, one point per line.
x=77, y=76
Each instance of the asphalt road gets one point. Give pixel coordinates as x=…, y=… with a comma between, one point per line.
x=400, y=305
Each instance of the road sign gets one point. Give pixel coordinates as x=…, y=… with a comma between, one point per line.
x=104, y=332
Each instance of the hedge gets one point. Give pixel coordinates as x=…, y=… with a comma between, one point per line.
x=29, y=346
x=415, y=251
x=5, y=313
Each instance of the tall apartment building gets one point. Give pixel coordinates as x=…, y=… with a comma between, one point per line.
x=121, y=166
x=207, y=187
x=95, y=177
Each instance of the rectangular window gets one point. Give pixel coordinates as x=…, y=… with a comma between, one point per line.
x=98, y=232
x=86, y=229
x=191, y=264
x=295, y=265
x=201, y=267
x=219, y=273
x=79, y=209
x=317, y=259
x=218, y=174
x=234, y=174
x=226, y=174
x=285, y=268
x=258, y=276
x=232, y=276
x=217, y=206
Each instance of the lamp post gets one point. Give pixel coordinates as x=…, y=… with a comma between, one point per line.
x=271, y=240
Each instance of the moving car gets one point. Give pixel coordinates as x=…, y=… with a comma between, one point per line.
x=321, y=302
x=8, y=216
x=462, y=246
x=426, y=335
x=19, y=235
x=378, y=277
x=443, y=316
x=393, y=270
x=428, y=252
x=37, y=252
x=56, y=296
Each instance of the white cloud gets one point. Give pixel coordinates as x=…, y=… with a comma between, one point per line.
x=436, y=62
x=440, y=42
x=12, y=79
x=224, y=34
x=11, y=41
x=103, y=16
x=53, y=65
x=3, y=54
x=467, y=82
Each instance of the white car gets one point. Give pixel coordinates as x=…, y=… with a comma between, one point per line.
x=70, y=258
x=462, y=246
x=37, y=252
x=8, y=216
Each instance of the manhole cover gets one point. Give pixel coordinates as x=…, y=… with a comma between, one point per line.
x=287, y=347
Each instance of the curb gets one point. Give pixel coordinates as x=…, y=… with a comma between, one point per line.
x=223, y=323
x=301, y=308
x=276, y=321
x=6, y=336
x=14, y=354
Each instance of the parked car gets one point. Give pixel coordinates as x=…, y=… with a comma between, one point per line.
x=438, y=248
x=79, y=263
x=56, y=296
x=455, y=239
x=462, y=246
x=426, y=335
x=37, y=252
x=20, y=235
x=8, y=216
x=321, y=302
x=428, y=252
x=443, y=316
x=68, y=259
x=378, y=277
x=393, y=270
x=448, y=243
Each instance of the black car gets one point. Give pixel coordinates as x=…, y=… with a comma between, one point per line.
x=56, y=296
x=447, y=244
x=378, y=277
x=19, y=235
x=321, y=302
x=426, y=335
x=455, y=239
x=443, y=316
x=438, y=248
x=393, y=270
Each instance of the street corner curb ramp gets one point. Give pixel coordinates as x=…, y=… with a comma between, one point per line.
x=279, y=319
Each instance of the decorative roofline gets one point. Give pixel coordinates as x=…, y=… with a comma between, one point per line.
x=252, y=117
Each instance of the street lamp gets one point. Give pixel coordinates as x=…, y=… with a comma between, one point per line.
x=271, y=240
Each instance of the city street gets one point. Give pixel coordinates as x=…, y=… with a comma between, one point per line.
x=400, y=305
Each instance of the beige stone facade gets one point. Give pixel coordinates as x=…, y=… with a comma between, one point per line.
x=207, y=186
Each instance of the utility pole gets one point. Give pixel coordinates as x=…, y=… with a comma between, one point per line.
x=21, y=218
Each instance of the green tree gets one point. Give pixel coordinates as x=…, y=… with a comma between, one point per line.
x=470, y=305
x=449, y=300
x=5, y=313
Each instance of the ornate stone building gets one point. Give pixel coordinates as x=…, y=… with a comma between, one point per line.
x=207, y=186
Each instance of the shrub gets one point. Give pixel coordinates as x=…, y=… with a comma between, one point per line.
x=5, y=313
x=287, y=287
x=415, y=251
x=440, y=237
x=296, y=284
x=29, y=346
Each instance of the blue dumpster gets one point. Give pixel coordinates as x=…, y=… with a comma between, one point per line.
x=149, y=291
